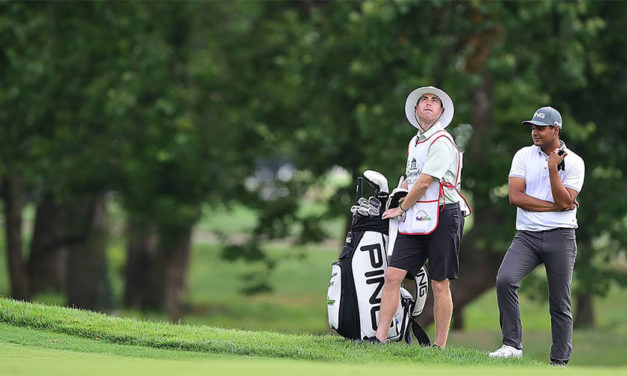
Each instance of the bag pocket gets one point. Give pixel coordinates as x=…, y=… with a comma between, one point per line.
x=334, y=295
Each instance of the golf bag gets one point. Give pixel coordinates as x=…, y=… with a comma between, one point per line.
x=357, y=278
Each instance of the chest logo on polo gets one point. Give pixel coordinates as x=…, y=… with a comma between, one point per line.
x=422, y=216
x=412, y=171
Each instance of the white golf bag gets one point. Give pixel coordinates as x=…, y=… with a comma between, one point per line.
x=357, y=278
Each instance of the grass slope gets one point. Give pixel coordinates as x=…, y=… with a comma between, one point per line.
x=29, y=360
x=37, y=340
x=32, y=360
x=212, y=340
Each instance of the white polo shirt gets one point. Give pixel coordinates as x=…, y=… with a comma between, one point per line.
x=531, y=164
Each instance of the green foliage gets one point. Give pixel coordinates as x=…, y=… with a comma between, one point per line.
x=350, y=66
x=176, y=106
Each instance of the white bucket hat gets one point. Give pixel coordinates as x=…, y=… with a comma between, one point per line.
x=412, y=99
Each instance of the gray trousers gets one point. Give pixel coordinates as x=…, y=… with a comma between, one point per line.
x=557, y=249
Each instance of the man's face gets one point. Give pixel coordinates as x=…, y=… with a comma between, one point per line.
x=429, y=108
x=543, y=135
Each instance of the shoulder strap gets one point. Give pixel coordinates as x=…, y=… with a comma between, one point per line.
x=448, y=136
x=419, y=333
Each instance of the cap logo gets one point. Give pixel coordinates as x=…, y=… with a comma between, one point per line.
x=539, y=114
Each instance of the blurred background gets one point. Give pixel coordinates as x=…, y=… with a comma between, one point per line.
x=195, y=161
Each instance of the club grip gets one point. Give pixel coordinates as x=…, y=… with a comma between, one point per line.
x=360, y=185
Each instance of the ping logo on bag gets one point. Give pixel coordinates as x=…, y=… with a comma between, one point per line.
x=355, y=288
x=421, y=279
x=375, y=277
x=376, y=256
x=369, y=263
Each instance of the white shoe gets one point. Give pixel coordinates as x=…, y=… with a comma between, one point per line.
x=506, y=352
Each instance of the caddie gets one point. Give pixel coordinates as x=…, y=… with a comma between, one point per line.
x=432, y=213
x=544, y=182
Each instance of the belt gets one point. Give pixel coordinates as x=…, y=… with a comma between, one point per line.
x=452, y=206
x=553, y=229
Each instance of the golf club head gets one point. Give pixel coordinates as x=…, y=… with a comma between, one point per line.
x=374, y=202
x=363, y=211
x=374, y=212
x=367, y=207
x=382, y=196
x=377, y=181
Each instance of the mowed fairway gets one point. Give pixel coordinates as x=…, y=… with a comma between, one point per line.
x=16, y=359
x=42, y=346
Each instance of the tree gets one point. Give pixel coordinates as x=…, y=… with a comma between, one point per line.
x=350, y=66
x=56, y=144
x=173, y=106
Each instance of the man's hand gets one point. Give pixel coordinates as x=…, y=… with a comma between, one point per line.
x=571, y=207
x=555, y=159
x=565, y=198
x=392, y=213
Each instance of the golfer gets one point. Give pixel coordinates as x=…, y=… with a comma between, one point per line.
x=432, y=213
x=544, y=182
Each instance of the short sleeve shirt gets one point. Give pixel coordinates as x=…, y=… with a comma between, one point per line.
x=441, y=162
x=530, y=163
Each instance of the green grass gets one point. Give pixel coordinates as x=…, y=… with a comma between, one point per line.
x=37, y=339
x=34, y=360
x=297, y=304
x=38, y=361
x=232, y=220
x=605, y=345
x=205, y=339
x=237, y=220
x=300, y=286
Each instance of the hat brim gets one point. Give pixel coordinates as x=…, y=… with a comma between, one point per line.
x=537, y=123
x=412, y=99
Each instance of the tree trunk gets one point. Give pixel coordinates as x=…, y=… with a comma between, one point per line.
x=12, y=196
x=479, y=260
x=144, y=286
x=157, y=266
x=478, y=268
x=584, y=316
x=88, y=282
x=458, y=318
x=47, y=266
x=175, y=249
